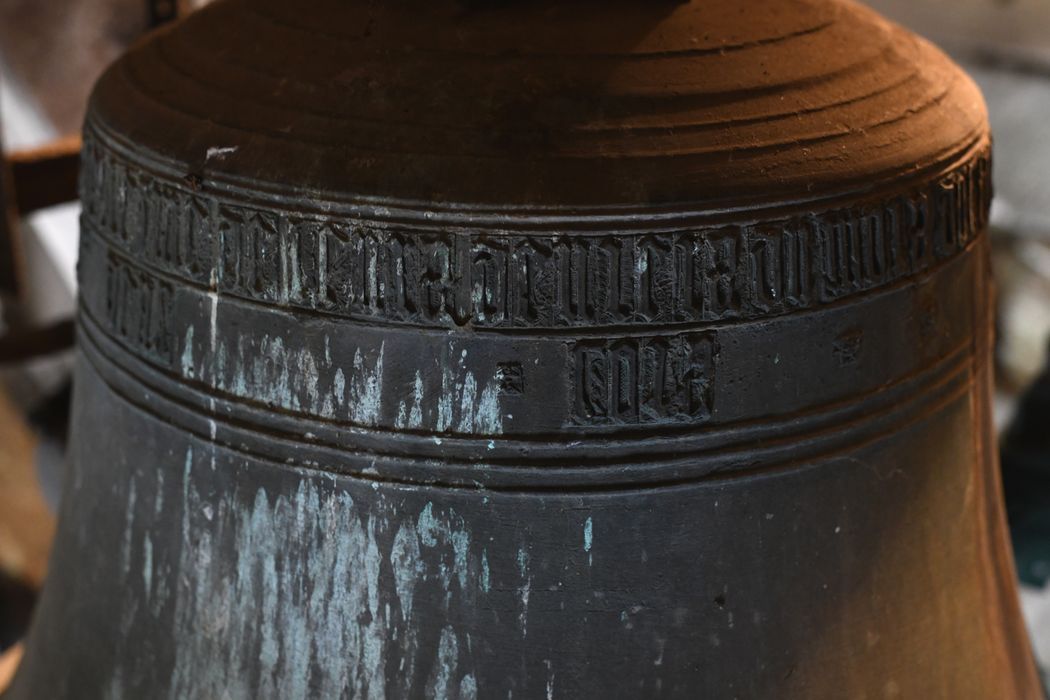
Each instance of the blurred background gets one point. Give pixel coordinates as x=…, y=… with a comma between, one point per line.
x=51, y=52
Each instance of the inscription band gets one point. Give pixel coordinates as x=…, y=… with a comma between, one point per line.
x=389, y=273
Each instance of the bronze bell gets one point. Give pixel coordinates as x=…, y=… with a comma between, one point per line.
x=535, y=349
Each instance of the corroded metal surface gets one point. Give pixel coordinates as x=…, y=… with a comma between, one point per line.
x=499, y=351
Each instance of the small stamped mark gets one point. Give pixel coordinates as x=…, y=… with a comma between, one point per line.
x=927, y=314
x=511, y=377
x=929, y=319
x=847, y=347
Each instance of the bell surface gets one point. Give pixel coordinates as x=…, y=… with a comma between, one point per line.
x=535, y=349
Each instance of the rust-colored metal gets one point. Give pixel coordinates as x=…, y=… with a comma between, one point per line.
x=546, y=349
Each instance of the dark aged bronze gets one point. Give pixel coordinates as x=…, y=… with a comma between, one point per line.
x=537, y=350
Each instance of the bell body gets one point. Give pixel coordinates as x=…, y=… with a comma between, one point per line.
x=564, y=350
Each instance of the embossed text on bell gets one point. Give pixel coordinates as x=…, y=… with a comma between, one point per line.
x=532, y=349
